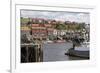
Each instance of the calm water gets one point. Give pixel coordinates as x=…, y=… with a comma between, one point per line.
x=56, y=52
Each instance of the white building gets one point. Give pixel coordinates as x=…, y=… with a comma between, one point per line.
x=55, y=32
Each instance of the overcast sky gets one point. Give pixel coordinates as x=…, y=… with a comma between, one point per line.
x=63, y=16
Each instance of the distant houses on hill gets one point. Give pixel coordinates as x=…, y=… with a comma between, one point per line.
x=39, y=27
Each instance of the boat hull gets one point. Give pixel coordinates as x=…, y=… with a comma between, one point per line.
x=77, y=53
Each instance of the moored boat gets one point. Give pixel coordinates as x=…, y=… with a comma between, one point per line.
x=79, y=51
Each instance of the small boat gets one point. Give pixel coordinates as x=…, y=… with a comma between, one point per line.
x=79, y=51
x=60, y=41
x=49, y=41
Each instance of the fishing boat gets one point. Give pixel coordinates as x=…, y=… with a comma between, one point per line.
x=79, y=51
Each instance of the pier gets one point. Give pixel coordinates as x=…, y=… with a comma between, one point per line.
x=31, y=53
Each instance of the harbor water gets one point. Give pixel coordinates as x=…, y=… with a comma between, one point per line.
x=56, y=52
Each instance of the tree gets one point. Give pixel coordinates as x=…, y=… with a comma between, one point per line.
x=61, y=27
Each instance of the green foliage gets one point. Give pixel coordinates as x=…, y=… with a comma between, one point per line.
x=61, y=27
x=24, y=20
x=80, y=26
x=52, y=37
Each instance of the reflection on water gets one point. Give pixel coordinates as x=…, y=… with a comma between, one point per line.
x=56, y=52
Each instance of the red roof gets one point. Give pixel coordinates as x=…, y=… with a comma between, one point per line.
x=35, y=25
x=48, y=25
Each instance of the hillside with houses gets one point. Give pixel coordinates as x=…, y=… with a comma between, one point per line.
x=53, y=30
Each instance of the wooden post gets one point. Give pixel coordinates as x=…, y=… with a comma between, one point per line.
x=27, y=54
x=41, y=53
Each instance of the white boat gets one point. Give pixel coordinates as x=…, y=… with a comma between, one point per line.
x=84, y=47
x=48, y=41
x=79, y=51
